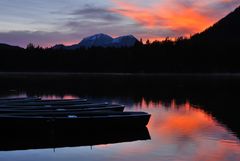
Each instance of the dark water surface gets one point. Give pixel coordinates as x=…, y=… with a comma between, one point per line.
x=193, y=118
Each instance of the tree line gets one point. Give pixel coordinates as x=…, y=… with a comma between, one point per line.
x=168, y=56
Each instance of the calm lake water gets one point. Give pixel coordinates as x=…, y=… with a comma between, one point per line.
x=182, y=128
x=178, y=132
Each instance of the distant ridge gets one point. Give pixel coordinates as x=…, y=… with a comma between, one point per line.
x=9, y=47
x=101, y=40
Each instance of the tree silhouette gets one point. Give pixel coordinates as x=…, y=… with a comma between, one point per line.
x=30, y=46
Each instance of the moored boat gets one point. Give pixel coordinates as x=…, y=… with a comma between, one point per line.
x=46, y=102
x=20, y=100
x=96, y=120
x=16, y=98
x=43, y=107
x=64, y=110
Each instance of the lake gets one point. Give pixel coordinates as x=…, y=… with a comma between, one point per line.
x=194, y=118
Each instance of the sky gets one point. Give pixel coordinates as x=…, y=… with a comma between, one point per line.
x=50, y=22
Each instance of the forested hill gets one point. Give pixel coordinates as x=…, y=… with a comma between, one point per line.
x=4, y=47
x=226, y=30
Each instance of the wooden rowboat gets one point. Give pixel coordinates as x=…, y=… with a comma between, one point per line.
x=47, y=107
x=96, y=120
x=60, y=110
x=47, y=102
x=18, y=100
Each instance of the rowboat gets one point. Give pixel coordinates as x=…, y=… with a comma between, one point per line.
x=47, y=107
x=47, y=102
x=18, y=100
x=93, y=119
x=32, y=111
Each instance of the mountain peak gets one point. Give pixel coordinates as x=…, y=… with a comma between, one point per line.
x=98, y=36
x=124, y=41
x=97, y=40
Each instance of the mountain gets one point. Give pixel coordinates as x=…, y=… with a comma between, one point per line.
x=101, y=40
x=9, y=47
x=124, y=41
x=98, y=40
x=227, y=30
x=59, y=46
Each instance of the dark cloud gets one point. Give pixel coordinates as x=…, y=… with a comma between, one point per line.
x=90, y=20
x=89, y=12
x=78, y=25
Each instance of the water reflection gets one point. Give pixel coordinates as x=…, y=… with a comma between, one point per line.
x=188, y=133
x=52, y=97
x=179, y=131
x=12, y=139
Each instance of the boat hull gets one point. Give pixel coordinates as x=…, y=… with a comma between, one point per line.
x=47, y=107
x=59, y=111
x=18, y=100
x=84, y=121
x=46, y=102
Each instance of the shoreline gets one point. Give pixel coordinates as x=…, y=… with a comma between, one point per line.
x=119, y=74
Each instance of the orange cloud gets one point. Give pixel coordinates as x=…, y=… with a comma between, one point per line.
x=226, y=1
x=139, y=14
x=170, y=18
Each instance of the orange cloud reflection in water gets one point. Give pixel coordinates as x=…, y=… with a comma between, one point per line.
x=185, y=132
x=184, y=119
x=53, y=97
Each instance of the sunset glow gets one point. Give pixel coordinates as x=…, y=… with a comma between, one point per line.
x=162, y=16
x=48, y=23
